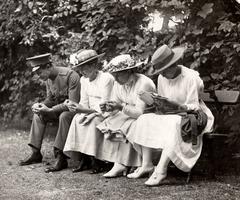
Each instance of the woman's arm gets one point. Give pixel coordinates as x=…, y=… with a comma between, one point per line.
x=192, y=95
x=136, y=110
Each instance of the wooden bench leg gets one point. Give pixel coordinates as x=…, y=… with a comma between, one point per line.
x=189, y=177
x=212, y=164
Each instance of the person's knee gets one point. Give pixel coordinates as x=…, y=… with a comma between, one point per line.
x=36, y=118
x=65, y=116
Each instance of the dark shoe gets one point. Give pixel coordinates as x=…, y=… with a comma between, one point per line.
x=98, y=166
x=60, y=164
x=81, y=167
x=97, y=170
x=35, y=157
x=84, y=164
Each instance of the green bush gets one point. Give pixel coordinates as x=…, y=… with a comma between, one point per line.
x=208, y=28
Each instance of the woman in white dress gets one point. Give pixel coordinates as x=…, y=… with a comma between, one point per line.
x=125, y=107
x=96, y=87
x=181, y=87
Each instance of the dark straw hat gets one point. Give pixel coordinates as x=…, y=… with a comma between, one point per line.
x=37, y=61
x=164, y=57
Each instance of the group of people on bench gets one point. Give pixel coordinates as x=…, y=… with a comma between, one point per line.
x=113, y=114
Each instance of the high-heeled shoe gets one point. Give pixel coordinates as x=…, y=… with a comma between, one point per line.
x=155, y=179
x=81, y=167
x=116, y=171
x=141, y=172
x=84, y=163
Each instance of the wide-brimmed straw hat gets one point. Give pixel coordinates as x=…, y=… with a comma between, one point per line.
x=83, y=56
x=163, y=58
x=39, y=61
x=121, y=63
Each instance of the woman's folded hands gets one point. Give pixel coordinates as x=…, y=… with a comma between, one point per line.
x=110, y=106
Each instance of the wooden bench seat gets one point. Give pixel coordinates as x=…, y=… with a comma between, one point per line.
x=215, y=100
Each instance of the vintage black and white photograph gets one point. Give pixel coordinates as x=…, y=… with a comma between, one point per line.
x=119, y=99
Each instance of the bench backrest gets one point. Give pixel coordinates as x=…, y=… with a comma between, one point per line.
x=216, y=100
x=221, y=96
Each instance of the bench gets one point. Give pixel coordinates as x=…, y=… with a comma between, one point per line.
x=215, y=101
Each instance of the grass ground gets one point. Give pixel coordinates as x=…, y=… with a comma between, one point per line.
x=30, y=182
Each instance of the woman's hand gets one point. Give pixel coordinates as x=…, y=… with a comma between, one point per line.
x=103, y=107
x=74, y=107
x=78, y=108
x=176, y=105
x=113, y=105
x=146, y=97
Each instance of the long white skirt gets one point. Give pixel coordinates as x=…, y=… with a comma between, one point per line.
x=89, y=140
x=124, y=151
x=164, y=132
x=83, y=138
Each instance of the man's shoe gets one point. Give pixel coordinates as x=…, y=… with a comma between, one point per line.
x=59, y=165
x=35, y=157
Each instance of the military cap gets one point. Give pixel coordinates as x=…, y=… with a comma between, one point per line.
x=38, y=61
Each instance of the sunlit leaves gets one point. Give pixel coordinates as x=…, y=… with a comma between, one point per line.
x=226, y=26
x=206, y=10
x=30, y=5
x=237, y=47
x=121, y=26
x=175, y=3
x=217, y=44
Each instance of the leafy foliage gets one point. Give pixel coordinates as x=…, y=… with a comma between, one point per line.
x=209, y=29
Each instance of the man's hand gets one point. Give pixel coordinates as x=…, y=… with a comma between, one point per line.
x=43, y=108
x=35, y=108
x=68, y=102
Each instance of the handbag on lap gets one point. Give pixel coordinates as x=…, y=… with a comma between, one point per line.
x=193, y=121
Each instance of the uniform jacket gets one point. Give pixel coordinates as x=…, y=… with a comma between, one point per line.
x=65, y=86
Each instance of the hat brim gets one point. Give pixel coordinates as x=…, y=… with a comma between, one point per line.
x=34, y=69
x=128, y=68
x=88, y=60
x=125, y=69
x=178, y=53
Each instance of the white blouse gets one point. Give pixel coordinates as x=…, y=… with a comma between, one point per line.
x=127, y=94
x=97, y=91
x=184, y=89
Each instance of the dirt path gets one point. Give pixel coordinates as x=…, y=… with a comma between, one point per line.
x=30, y=182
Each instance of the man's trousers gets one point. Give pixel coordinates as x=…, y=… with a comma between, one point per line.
x=39, y=124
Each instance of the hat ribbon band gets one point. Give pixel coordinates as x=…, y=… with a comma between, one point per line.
x=42, y=65
x=164, y=62
x=80, y=63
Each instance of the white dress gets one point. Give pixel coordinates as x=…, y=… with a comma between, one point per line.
x=164, y=131
x=83, y=135
x=122, y=121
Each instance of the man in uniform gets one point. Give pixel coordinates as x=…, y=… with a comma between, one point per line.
x=63, y=84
